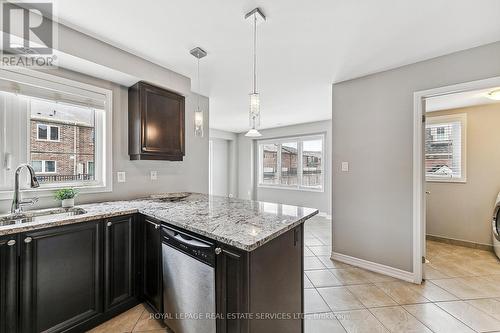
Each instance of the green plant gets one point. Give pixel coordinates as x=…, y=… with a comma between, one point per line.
x=66, y=193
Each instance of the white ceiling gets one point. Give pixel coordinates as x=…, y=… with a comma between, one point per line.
x=303, y=47
x=460, y=100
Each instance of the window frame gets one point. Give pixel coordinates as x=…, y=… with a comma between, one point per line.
x=279, y=142
x=447, y=119
x=102, y=131
x=49, y=132
x=44, y=172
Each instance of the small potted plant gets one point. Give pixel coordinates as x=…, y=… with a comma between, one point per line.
x=66, y=196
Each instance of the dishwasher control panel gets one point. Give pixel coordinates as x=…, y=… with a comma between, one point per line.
x=191, y=244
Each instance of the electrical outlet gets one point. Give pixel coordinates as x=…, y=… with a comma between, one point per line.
x=154, y=175
x=345, y=166
x=121, y=177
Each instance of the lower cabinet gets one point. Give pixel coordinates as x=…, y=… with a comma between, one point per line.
x=9, y=278
x=61, y=284
x=119, y=262
x=152, y=284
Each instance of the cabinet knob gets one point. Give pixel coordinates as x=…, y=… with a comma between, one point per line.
x=218, y=250
x=157, y=226
x=12, y=242
x=109, y=224
x=28, y=240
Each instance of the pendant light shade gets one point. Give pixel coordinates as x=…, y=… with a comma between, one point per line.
x=198, y=53
x=254, y=110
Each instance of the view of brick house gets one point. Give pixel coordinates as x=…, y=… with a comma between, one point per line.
x=61, y=142
x=311, y=168
x=439, y=150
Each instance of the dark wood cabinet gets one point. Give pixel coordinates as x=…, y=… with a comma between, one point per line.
x=156, y=123
x=8, y=284
x=61, y=273
x=266, y=280
x=152, y=286
x=119, y=262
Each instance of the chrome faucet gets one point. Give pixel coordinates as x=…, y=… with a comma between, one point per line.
x=17, y=203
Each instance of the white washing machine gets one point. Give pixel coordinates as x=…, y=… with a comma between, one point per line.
x=496, y=227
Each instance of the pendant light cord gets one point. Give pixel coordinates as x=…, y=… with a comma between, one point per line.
x=199, y=85
x=254, y=53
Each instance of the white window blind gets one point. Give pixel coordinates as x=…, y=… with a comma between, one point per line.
x=445, y=148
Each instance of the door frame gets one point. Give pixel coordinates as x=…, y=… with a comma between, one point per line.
x=419, y=209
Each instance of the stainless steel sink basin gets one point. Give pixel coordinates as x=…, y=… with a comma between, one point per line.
x=40, y=215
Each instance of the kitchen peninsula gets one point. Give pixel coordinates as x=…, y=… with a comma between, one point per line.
x=112, y=255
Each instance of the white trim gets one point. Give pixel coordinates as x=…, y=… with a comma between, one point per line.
x=418, y=162
x=375, y=267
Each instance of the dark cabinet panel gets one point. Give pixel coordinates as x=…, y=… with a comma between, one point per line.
x=152, y=287
x=156, y=123
x=8, y=284
x=119, y=262
x=231, y=289
x=60, y=277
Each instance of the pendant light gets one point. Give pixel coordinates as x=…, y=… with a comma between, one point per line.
x=198, y=53
x=254, y=112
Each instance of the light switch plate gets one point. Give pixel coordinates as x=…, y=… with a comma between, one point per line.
x=345, y=166
x=154, y=175
x=121, y=177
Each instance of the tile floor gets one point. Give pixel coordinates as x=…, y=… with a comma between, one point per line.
x=461, y=294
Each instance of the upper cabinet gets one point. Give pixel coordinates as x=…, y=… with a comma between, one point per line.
x=156, y=123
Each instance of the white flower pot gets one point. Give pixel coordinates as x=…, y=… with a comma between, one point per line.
x=68, y=203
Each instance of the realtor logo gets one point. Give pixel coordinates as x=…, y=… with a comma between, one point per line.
x=28, y=34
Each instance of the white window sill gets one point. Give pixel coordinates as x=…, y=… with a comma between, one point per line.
x=446, y=180
x=50, y=191
x=291, y=188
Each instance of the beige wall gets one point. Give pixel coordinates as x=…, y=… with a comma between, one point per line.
x=463, y=210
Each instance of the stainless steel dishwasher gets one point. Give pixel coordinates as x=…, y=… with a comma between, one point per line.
x=188, y=282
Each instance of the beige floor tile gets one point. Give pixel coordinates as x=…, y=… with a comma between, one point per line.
x=376, y=277
x=322, y=323
x=489, y=305
x=340, y=298
x=402, y=292
x=312, y=241
x=397, y=319
x=432, y=292
x=431, y=273
x=122, y=323
x=311, y=263
x=321, y=250
x=323, y=278
x=307, y=252
x=437, y=319
x=330, y=263
x=307, y=283
x=313, y=302
x=370, y=295
x=464, y=288
x=360, y=321
x=350, y=275
x=147, y=323
x=471, y=316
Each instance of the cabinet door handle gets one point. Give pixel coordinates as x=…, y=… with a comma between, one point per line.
x=218, y=250
x=28, y=240
x=157, y=226
x=12, y=242
x=109, y=224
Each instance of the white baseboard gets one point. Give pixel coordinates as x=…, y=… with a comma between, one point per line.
x=375, y=267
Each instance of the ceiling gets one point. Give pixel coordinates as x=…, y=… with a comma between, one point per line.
x=460, y=100
x=302, y=48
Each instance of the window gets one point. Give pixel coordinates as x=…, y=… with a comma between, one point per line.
x=293, y=163
x=44, y=166
x=47, y=133
x=61, y=127
x=445, y=148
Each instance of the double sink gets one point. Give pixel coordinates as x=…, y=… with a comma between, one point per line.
x=39, y=215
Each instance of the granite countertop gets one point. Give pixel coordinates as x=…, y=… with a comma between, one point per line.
x=244, y=224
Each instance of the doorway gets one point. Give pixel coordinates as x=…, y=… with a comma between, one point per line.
x=452, y=155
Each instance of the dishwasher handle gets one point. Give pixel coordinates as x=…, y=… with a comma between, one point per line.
x=186, y=240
